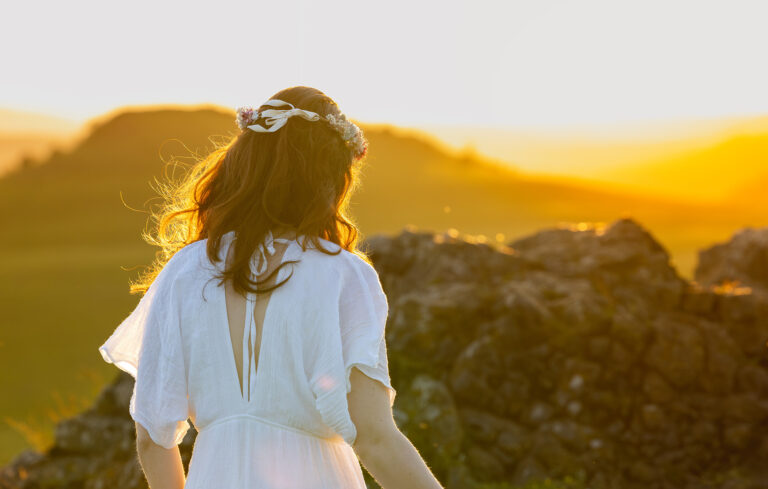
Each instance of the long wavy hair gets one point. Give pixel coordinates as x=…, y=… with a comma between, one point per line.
x=299, y=178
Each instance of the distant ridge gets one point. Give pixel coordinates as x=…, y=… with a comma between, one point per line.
x=29, y=136
x=122, y=152
x=14, y=121
x=679, y=158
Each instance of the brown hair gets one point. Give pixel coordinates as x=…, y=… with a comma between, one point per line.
x=300, y=177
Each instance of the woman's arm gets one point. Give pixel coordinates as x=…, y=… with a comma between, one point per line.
x=162, y=466
x=384, y=451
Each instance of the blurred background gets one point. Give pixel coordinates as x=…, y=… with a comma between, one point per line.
x=491, y=119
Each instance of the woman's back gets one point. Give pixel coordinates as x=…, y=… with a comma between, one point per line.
x=266, y=383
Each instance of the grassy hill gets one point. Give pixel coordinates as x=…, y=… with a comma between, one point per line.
x=26, y=137
x=713, y=172
x=70, y=239
x=698, y=159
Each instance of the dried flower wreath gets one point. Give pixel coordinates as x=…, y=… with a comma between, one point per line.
x=276, y=118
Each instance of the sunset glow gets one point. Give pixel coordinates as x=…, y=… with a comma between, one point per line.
x=511, y=64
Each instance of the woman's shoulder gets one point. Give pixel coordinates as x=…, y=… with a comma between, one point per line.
x=342, y=258
x=188, y=256
x=184, y=262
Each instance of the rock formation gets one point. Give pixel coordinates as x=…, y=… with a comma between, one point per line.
x=743, y=259
x=572, y=352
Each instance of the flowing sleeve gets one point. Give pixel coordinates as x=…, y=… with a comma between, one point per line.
x=363, y=315
x=360, y=343
x=148, y=346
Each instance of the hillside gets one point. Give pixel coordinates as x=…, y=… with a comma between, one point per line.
x=31, y=136
x=705, y=159
x=435, y=190
x=753, y=194
x=711, y=173
x=14, y=121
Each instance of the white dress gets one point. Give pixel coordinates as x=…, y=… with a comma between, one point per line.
x=289, y=427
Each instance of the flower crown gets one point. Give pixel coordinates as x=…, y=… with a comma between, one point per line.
x=276, y=118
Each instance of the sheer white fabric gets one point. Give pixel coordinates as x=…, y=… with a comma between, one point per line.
x=294, y=430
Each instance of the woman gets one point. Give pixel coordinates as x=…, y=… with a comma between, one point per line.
x=260, y=319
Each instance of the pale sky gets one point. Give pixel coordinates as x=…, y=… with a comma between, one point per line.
x=532, y=63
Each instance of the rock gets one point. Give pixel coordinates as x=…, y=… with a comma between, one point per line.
x=486, y=466
x=558, y=461
x=745, y=318
x=737, y=436
x=435, y=320
x=512, y=440
x=486, y=428
x=745, y=407
x=623, y=257
x=751, y=377
x=581, y=371
x=528, y=469
x=699, y=300
x=653, y=417
x=743, y=259
x=723, y=358
x=539, y=412
x=576, y=437
x=657, y=388
x=599, y=347
x=89, y=433
x=642, y=471
x=703, y=431
x=431, y=421
x=575, y=350
x=459, y=476
x=678, y=351
x=633, y=332
x=473, y=382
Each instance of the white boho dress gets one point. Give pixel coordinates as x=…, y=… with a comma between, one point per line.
x=287, y=425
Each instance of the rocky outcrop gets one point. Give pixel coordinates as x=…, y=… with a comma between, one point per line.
x=580, y=351
x=743, y=260
x=93, y=450
x=572, y=352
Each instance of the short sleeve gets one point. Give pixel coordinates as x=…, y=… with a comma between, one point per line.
x=363, y=311
x=357, y=339
x=148, y=345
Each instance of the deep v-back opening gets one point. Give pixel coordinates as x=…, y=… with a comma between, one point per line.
x=248, y=317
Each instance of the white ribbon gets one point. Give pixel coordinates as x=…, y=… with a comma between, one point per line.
x=249, y=337
x=249, y=331
x=268, y=248
x=276, y=118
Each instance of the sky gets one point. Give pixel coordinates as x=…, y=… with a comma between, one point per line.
x=513, y=63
